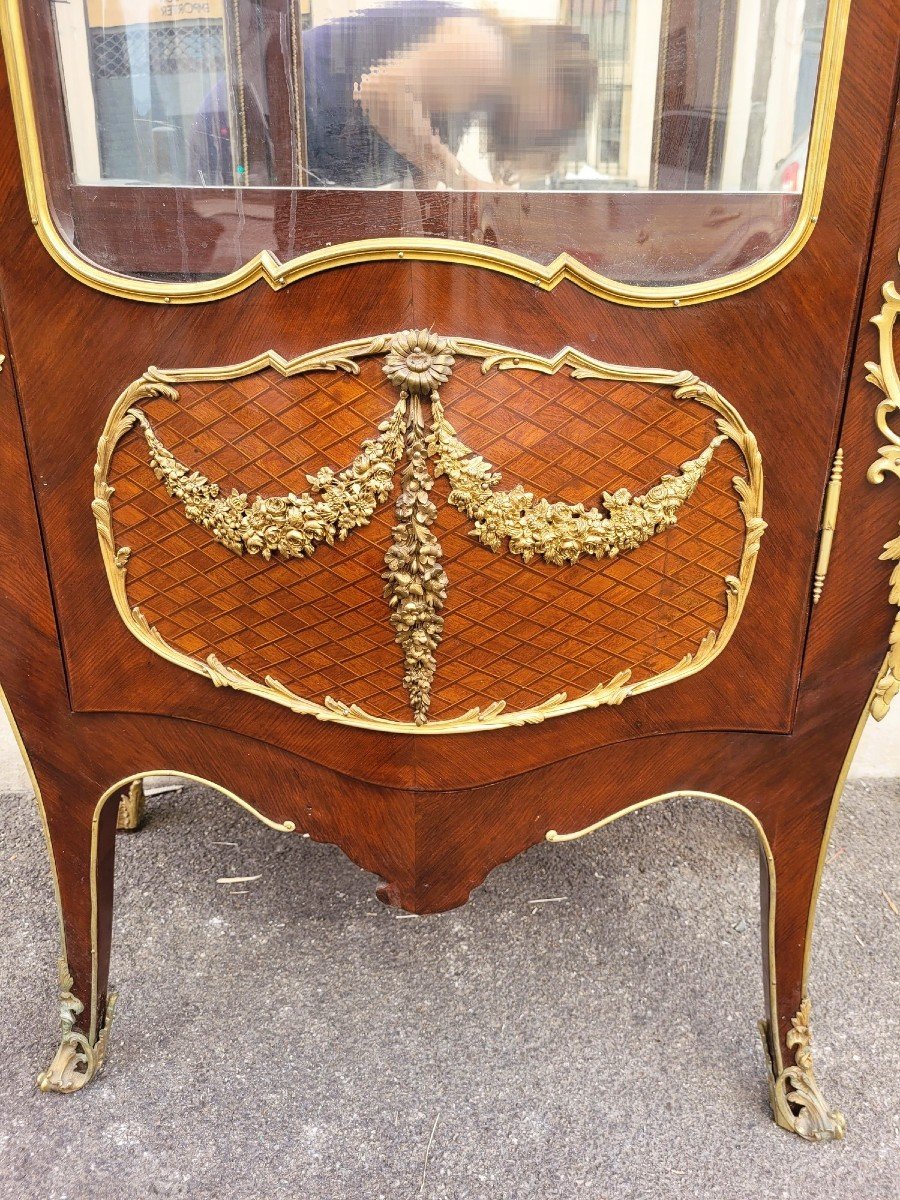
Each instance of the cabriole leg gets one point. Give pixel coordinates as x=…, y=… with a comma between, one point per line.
x=797, y=1101
x=82, y=848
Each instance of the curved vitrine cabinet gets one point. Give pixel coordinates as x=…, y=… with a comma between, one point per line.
x=442, y=432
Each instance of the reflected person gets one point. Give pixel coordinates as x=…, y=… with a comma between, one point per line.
x=392, y=91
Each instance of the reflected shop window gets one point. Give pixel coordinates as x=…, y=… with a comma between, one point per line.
x=577, y=95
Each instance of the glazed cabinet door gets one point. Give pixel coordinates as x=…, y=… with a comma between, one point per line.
x=444, y=428
x=396, y=373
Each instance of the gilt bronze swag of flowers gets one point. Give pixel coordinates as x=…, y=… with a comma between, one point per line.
x=418, y=363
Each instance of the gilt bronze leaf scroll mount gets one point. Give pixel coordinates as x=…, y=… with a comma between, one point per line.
x=417, y=440
x=886, y=377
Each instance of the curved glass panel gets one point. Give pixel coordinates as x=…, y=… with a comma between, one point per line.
x=658, y=142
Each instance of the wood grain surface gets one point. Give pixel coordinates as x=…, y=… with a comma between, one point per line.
x=767, y=725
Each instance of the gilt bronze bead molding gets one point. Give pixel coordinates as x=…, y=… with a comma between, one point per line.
x=885, y=377
x=80, y=1057
x=796, y=1098
x=766, y=855
x=267, y=267
x=418, y=363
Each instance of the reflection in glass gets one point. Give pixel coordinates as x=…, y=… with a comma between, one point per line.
x=393, y=94
x=672, y=95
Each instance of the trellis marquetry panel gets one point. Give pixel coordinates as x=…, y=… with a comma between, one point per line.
x=514, y=631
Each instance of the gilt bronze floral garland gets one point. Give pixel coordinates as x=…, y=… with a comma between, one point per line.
x=418, y=363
